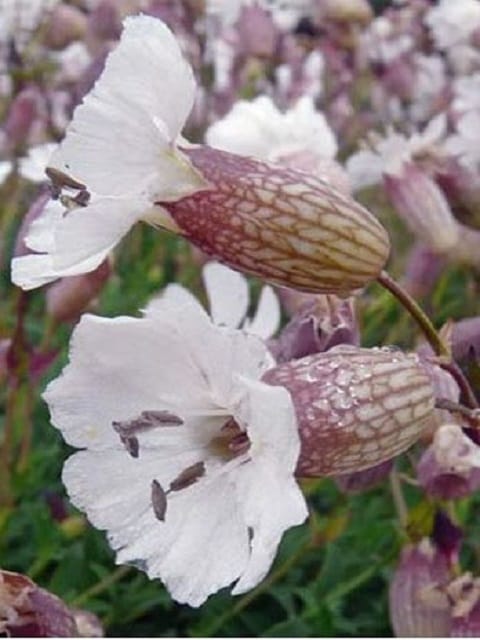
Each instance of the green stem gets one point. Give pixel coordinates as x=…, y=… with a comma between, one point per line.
x=100, y=586
x=398, y=498
x=420, y=317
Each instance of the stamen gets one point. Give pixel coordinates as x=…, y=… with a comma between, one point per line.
x=147, y=420
x=185, y=479
x=159, y=500
x=239, y=444
x=131, y=445
x=231, y=441
x=189, y=476
x=60, y=180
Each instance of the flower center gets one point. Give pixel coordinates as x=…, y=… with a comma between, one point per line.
x=231, y=442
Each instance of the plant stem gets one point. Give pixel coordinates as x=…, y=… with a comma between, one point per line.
x=398, y=499
x=420, y=317
x=100, y=586
x=465, y=389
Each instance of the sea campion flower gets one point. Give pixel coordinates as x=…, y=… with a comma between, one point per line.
x=396, y=160
x=123, y=160
x=300, y=137
x=188, y=457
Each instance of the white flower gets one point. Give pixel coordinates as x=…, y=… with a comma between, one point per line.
x=453, y=23
x=259, y=129
x=188, y=458
x=121, y=150
x=389, y=154
x=228, y=299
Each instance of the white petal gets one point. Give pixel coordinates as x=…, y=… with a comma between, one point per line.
x=200, y=548
x=41, y=233
x=365, y=169
x=218, y=353
x=121, y=138
x=271, y=499
x=176, y=296
x=138, y=364
x=227, y=293
x=271, y=503
x=94, y=229
x=34, y=164
x=266, y=320
x=37, y=269
x=249, y=129
x=76, y=242
x=306, y=128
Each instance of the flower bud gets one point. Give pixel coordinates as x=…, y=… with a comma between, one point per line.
x=422, y=205
x=416, y=608
x=440, y=481
x=21, y=116
x=258, y=34
x=26, y=610
x=323, y=322
x=66, y=24
x=355, y=407
x=423, y=269
x=466, y=338
x=280, y=224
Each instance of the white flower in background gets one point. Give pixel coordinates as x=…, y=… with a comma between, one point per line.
x=19, y=18
x=33, y=165
x=122, y=144
x=453, y=23
x=388, y=154
x=466, y=90
x=381, y=41
x=396, y=162
x=258, y=128
x=465, y=143
x=228, y=299
x=188, y=457
x=430, y=83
